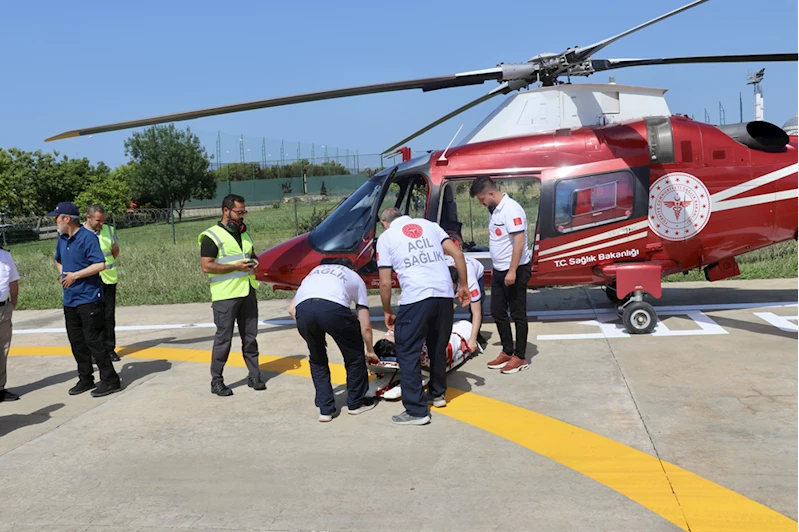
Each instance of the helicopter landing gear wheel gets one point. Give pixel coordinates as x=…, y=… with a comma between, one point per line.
x=639, y=317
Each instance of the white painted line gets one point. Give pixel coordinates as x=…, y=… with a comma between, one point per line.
x=706, y=325
x=781, y=322
x=545, y=315
x=608, y=323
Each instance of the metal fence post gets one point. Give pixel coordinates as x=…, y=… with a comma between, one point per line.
x=172, y=215
x=296, y=219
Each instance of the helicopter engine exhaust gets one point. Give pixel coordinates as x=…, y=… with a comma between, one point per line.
x=758, y=135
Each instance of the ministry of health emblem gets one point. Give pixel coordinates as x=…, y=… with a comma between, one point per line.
x=679, y=206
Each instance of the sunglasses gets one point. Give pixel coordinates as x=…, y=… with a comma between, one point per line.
x=240, y=213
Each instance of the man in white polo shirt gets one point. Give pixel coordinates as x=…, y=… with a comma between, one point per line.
x=322, y=306
x=512, y=267
x=414, y=248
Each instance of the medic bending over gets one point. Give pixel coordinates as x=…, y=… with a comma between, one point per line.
x=477, y=294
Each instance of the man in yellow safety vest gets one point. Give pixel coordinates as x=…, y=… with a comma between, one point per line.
x=109, y=244
x=228, y=257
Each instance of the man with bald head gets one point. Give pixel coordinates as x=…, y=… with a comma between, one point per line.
x=415, y=248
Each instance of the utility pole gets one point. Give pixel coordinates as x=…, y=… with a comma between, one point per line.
x=741, y=107
x=755, y=80
x=263, y=155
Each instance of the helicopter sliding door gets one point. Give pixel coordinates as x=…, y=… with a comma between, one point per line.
x=591, y=215
x=466, y=220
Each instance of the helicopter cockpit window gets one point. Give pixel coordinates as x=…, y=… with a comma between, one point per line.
x=409, y=195
x=594, y=200
x=347, y=224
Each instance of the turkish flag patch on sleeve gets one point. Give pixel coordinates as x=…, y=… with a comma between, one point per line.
x=474, y=293
x=517, y=221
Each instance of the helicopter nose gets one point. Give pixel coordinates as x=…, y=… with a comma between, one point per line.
x=286, y=263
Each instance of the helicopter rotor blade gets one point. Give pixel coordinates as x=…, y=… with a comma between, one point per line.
x=476, y=77
x=584, y=52
x=599, y=65
x=504, y=88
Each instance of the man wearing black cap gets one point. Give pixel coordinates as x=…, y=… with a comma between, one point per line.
x=79, y=261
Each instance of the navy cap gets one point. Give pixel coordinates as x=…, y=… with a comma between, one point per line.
x=65, y=207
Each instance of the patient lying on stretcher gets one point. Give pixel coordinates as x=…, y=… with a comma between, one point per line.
x=387, y=381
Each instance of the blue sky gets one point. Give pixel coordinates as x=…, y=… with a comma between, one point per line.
x=71, y=65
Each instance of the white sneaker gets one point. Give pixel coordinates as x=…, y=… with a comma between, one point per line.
x=438, y=402
x=324, y=418
x=365, y=407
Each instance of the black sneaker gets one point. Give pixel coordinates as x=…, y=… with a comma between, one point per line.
x=5, y=395
x=220, y=389
x=367, y=404
x=82, y=386
x=256, y=383
x=106, y=388
x=115, y=357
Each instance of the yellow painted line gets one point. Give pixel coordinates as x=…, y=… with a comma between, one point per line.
x=677, y=495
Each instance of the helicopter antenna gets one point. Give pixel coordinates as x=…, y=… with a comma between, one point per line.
x=444, y=155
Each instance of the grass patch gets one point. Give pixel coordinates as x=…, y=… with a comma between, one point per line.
x=774, y=262
x=154, y=271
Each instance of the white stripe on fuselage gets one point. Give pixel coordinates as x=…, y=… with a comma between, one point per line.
x=596, y=238
x=755, y=200
x=599, y=246
x=754, y=183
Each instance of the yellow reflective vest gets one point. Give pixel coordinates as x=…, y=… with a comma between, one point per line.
x=232, y=284
x=107, y=237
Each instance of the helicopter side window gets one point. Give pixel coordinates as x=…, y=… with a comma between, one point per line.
x=594, y=200
x=416, y=199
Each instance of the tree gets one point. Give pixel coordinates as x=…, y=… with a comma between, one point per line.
x=110, y=190
x=169, y=165
x=32, y=183
x=250, y=171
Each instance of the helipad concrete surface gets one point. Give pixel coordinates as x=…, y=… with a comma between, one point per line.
x=692, y=428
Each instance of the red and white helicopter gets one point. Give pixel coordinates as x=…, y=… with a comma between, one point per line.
x=621, y=191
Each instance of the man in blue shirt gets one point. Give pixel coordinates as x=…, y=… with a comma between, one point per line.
x=79, y=261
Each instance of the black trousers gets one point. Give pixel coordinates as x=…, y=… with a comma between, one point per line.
x=110, y=296
x=511, y=298
x=227, y=312
x=316, y=318
x=428, y=320
x=85, y=330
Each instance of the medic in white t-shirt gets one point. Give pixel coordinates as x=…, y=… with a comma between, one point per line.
x=474, y=275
